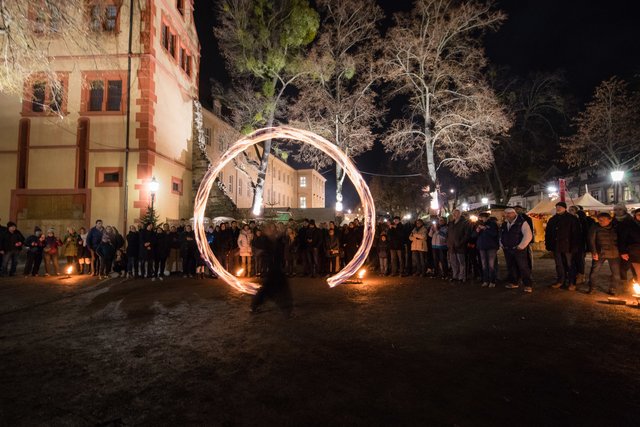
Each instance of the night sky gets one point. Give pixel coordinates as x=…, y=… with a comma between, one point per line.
x=587, y=41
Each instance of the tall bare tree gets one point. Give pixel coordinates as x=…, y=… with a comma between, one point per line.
x=29, y=29
x=434, y=58
x=337, y=100
x=263, y=43
x=607, y=131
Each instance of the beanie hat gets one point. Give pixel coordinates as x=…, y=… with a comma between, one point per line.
x=11, y=224
x=562, y=204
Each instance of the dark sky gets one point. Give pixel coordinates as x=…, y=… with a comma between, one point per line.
x=589, y=41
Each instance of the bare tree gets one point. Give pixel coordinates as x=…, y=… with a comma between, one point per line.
x=607, y=131
x=434, y=58
x=31, y=29
x=337, y=100
x=262, y=42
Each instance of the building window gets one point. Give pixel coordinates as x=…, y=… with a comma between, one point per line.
x=239, y=187
x=105, y=95
x=176, y=186
x=596, y=194
x=42, y=96
x=626, y=194
x=220, y=144
x=230, y=184
x=303, y=202
x=180, y=6
x=109, y=177
x=187, y=68
x=104, y=18
x=303, y=181
x=610, y=194
x=207, y=136
x=172, y=45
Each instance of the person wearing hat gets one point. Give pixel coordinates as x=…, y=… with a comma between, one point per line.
x=10, y=247
x=563, y=237
x=515, y=236
x=35, y=246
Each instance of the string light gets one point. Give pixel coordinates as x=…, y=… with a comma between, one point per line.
x=297, y=135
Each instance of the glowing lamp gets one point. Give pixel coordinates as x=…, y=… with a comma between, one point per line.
x=617, y=175
x=338, y=206
x=552, y=189
x=473, y=218
x=485, y=200
x=154, y=186
x=465, y=206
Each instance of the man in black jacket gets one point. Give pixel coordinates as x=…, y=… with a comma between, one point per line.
x=10, y=247
x=313, y=237
x=563, y=236
x=395, y=246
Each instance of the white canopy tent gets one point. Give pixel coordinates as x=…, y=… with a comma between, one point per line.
x=587, y=201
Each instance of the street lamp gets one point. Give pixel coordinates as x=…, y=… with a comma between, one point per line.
x=452, y=191
x=485, y=201
x=616, y=176
x=339, y=207
x=465, y=206
x=154, y=186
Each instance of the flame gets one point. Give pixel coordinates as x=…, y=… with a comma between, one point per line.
x=636, y=288
x=69, y=270
x=239, y=272
x=361, y=273
x=296, y=135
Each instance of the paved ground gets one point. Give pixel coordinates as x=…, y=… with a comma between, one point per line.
x=389, y=352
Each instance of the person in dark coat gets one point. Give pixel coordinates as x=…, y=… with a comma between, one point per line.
x=107, y=253
x=563, y=237
x=603, y=245
x=487, y=237
x=351, y=242
x=10, y=247
x=383, y=254
x=290, y=248
x=275, y=285
x=585, y=225
x=34, y=245
x=93, y=240
x=133, y=251
x=160, y=254
x=623, y=222
x=629, y=243
x=458, y=236
x=332, y=251
x=145, y=253
x=395, y=247
x=189, y=252
x=314, y=242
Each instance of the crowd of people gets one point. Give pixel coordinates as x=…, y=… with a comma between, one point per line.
x=458, y=248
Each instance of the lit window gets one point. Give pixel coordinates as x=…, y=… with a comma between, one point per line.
x=303, y=202
x=303, y=181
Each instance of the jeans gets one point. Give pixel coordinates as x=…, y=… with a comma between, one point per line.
x=146, y=267
x=384, y=265
x=34, y=260
x=518, y=266
x=313, y=261
x=159, y=265
x=418, y=261
x=132, y=266
x=614, y=266
x=11, y=256
x=397, y=261
x=441, y=261
x=246, y=264
x=565, y=268
x=488, y=259
x=458, y=265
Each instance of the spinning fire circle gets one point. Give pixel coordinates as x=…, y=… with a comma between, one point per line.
x=284, y=132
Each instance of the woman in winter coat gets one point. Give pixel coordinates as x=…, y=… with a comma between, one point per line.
x=52, y=247
x=70, y=247
x=332, y=251
x=419, y=247
x=245, y=240
x=438, y=234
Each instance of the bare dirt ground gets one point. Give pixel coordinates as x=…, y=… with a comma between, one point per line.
x=393, y=351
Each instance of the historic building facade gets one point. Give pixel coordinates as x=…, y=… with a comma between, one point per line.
x=71, y=155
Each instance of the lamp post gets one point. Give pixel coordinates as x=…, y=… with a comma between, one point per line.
x=154, y=186
x=616, y=176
